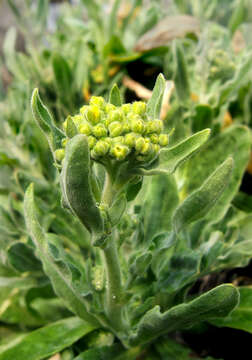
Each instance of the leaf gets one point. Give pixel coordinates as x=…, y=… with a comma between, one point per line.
x=171, y=158
x=42, y=11
x=45, y=121
x=198, y=204
x=238, y=16
x=113, y=18
x=216, y=303
x=117, y=209
x=76, y=185
x=241, y=317
x=161, y=201
x=45, y=341
x=181, y=77
x=71, y=129
x=115, y=96
x=60, y=282
x=155, y=102
x=243, y=202
x=202, y=118
x=22, y=258
x=234, y=142
x=114, y=352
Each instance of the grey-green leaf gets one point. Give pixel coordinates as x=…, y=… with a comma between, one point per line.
x=200, y=202
x=76, y=184
x=115, y=96
x=45, y=121
x=46, y=341
x=155, y=102
x=171, y=158
x=216, y=303
x=61, y=283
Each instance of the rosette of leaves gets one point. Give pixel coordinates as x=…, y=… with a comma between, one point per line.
x=149, y=245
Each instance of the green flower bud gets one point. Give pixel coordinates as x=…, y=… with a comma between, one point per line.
x=126, y=108
x=130, y=139
x=147, y=148
x=137, y=125
x=140, y=142
x=155, y=126
x=83, y=109
x=91, y=142
x=156, y=148
x=64, y=125
x=99, y=131
x=163, y=139
x=78, y=120
x=117, y=140
x=115, y=129
x=154, y=138
x=115, y=115
x=100, y=149
x=59, y=154
x=85, y=128
x=119, y=151
x=98, y=101
x=109, y=108
x=139, y=108
x=93, y=114
x=126, y=127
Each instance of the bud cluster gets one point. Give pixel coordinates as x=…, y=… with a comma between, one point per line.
x=117, y=132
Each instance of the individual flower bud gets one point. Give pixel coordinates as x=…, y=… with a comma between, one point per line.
x=146, y=148
x=155, y=126
x=109, y=108
x=64, y=125
x=130, y=139
x=126, y=127
x=108, y=140
x=77, y=119
x=117, y=140
x=99, y=131
x=115, y=115
x=85, y=128
x=115, y=129
x=93, y=114
x=64, y=142
x=98, y=101
x=83, y=109
x=91, y=141
x=139, y=144
x=163, y=139
x=156, y=148
x=59, y=154
x=139, y=108
x=119, y=151
x=126, y=108
x=137, y=125
x=100, y=149
x=154, y=138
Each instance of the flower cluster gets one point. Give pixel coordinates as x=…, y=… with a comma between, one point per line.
x=116, y=132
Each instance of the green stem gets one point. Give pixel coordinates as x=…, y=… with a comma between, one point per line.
x=113, y=270
x=114, y=286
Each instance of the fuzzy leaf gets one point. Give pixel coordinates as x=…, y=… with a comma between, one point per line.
x=115, y=96
x=76, y=185
x=45, y=121
x=241, y=317
x=22, y=258
x=155, y=102
x=61, y=283
x=181, y=78
x=117, y=209
x=216, y=303
x=46, y=341
x=198, y=204
x=171, y=158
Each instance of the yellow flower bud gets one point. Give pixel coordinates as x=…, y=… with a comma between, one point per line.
x=83, y=109
x=119, y=151
x=154, y=138
x=130, y=139
x=93, y=114
x=155, y=126
x=64, y=142
x=101, y=148
x=163, y=139
x=126, y=108
x=77, y=119
x=137, y=125
x=115, y=129
x=139, y=107
x=98, y=101
x=99, y=131
x=85, y=128
x=109, y=108
x=59, y=154
x=91, y=142
x=139, y=144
